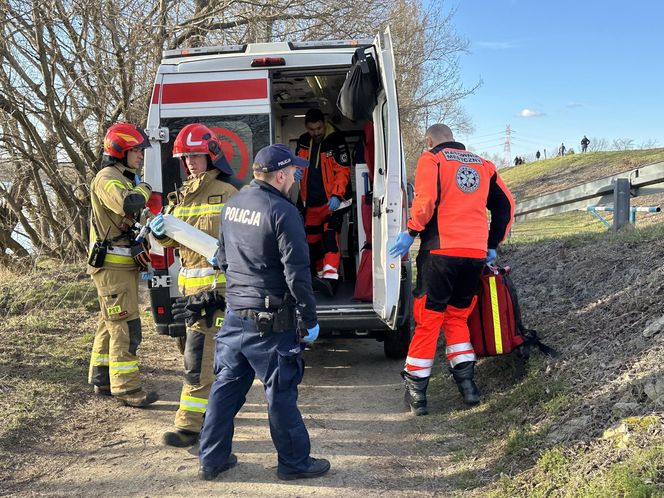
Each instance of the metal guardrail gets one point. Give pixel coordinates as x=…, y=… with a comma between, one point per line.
x=646, y=180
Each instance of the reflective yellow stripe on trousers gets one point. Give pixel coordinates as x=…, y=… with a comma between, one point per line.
x=123, y=367
x=192, y=404
x=99, y=360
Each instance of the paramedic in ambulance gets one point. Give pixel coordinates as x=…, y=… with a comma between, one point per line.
x=264, y=254
x=199, y=204
x=118, y=196
x=323, y=187
x=453, y=190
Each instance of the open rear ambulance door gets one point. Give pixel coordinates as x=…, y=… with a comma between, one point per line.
x=387, y=193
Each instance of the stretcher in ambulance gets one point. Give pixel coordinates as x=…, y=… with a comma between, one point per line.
x=257, y=94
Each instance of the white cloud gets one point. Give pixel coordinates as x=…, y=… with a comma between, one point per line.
x=529, y=113
x=497, y=45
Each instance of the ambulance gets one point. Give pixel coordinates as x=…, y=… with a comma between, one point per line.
x=257, y=94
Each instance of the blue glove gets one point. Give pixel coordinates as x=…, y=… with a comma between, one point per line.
x=333, y=203
x=213, y=261
x=401, y=246
x=299, y=173
x=137, y=179
x=312, y=333
x=490, y=256
x=157, y=225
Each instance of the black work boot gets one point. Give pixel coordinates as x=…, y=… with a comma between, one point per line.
x=180, y=438
x=211, y=473
x=323, y=285
x=463, y=375
x=138, y=399
x=416, y=393
x=317, y=467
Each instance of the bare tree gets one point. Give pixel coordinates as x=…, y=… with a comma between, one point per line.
x=597, y=144
x=427, y=51
x=649, y=144
x=623, y=144
x=70, y=68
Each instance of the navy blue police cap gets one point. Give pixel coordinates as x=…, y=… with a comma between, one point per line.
x=275, y=157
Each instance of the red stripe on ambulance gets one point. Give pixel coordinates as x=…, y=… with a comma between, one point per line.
x=214, y=91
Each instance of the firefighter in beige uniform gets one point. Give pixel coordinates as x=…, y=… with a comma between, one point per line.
x=117, y=200
x=199, y=204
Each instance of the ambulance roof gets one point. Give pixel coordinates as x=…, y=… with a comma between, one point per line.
x=237, y=57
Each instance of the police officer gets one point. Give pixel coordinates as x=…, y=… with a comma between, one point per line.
x=199, y=203
x=453, y=190
x=263, y=252
x=117, y=197
x=322, y=189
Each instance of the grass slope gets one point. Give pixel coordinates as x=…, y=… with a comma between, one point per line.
x=543, y=177
x=546, y=176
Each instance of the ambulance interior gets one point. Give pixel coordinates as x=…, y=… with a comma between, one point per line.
x=295, y=92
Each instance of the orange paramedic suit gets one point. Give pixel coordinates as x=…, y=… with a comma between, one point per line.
x=453, y=190
x=332, y=163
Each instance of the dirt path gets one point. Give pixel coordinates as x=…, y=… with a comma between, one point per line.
x=351, y=399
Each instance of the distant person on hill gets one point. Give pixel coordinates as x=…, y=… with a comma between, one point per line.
x=584, y=143
x=562, y=149
x=516, y=160
x=537, y=155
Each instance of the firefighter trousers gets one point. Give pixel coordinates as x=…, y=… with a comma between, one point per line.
x=114, y=360
x=198, y=373
x=445, y=294
x=275, y=358
x=322, y=227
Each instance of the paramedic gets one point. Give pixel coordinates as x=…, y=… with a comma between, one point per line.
x=198, y=203
x=263, y=253
x=118, y=196
x=323, y=188
x=453, y=189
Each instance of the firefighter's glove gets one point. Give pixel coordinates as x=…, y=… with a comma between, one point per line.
x=312, y=333
x=299, y=173
x=490, y=256
x=401, y=246
x=334, y=203
x=187, y=309
x=157, y=226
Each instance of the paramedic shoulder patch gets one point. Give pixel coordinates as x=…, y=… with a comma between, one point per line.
x=463, y=156
x=467, y=179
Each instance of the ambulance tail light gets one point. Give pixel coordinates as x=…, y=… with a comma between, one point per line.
x=155, y=203
x=162, y=261
x=158, y=261
x=268, y=61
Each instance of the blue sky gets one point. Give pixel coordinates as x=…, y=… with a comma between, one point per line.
x=556, y=70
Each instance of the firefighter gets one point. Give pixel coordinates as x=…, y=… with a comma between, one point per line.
x=453, y=189
x=323, y=187
x=117, y=197
x=199, y=204
x=263, y=253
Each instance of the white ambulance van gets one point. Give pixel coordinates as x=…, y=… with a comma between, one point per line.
x=257, y=94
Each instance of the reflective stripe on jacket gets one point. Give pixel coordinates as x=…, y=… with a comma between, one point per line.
x=334, y=161
x=453, y=190
x=110, y=191
x=200, y=202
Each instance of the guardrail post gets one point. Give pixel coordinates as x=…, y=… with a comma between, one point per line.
x=621, y=208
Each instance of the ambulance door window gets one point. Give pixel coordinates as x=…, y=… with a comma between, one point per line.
x=241, y=138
